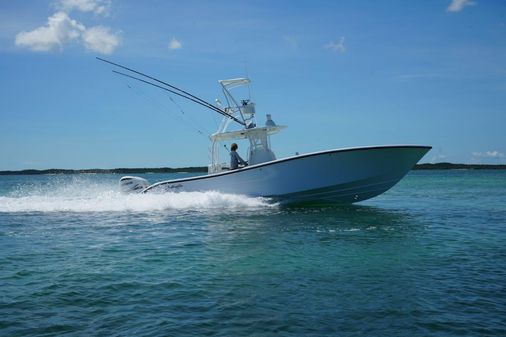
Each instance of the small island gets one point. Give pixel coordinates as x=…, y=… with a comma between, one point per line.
x=451, y=166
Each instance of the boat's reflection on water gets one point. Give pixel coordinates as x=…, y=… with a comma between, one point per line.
x=326, y=221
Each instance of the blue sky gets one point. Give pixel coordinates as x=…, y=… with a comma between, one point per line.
x=338, y=73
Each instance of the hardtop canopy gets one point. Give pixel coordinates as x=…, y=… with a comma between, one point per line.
x=245, y=133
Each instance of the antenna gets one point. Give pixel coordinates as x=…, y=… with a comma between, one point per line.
x=247, y=76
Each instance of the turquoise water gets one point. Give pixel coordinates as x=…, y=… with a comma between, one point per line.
x=427, y=258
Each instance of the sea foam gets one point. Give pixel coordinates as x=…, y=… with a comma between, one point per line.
x=83, y=196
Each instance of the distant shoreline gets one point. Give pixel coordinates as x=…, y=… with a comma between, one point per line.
x=105, y=171
x=197, y=169
x=450, y=166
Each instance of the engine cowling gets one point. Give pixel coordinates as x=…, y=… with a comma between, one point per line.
x=130, y=184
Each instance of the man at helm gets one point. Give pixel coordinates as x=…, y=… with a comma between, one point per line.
x=235, y=159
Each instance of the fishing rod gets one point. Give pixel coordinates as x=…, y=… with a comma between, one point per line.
x=155, y=79
x=179, y=94
x=185, y=94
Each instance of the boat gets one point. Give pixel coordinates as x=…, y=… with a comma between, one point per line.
x=342, y=175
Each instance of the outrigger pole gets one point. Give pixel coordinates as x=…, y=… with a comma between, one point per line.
x=177, y=91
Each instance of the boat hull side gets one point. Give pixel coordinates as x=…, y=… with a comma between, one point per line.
x=342, y=176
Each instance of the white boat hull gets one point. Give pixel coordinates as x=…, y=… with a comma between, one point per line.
x=336, y=176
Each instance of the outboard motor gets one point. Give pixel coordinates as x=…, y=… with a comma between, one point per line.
x=130, y=184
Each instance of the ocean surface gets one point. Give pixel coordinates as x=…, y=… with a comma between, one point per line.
x=427, y=258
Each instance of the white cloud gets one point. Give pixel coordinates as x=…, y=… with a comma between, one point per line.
x=337, y=46
x=458, y=5
x=175, y=44
x=489, y=154
x=101, y=40
x=96, y=6
x=59, y=30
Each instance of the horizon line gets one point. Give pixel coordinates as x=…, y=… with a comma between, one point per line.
x=422, y=166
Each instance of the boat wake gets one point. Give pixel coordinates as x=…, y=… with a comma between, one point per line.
x=81, y=196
